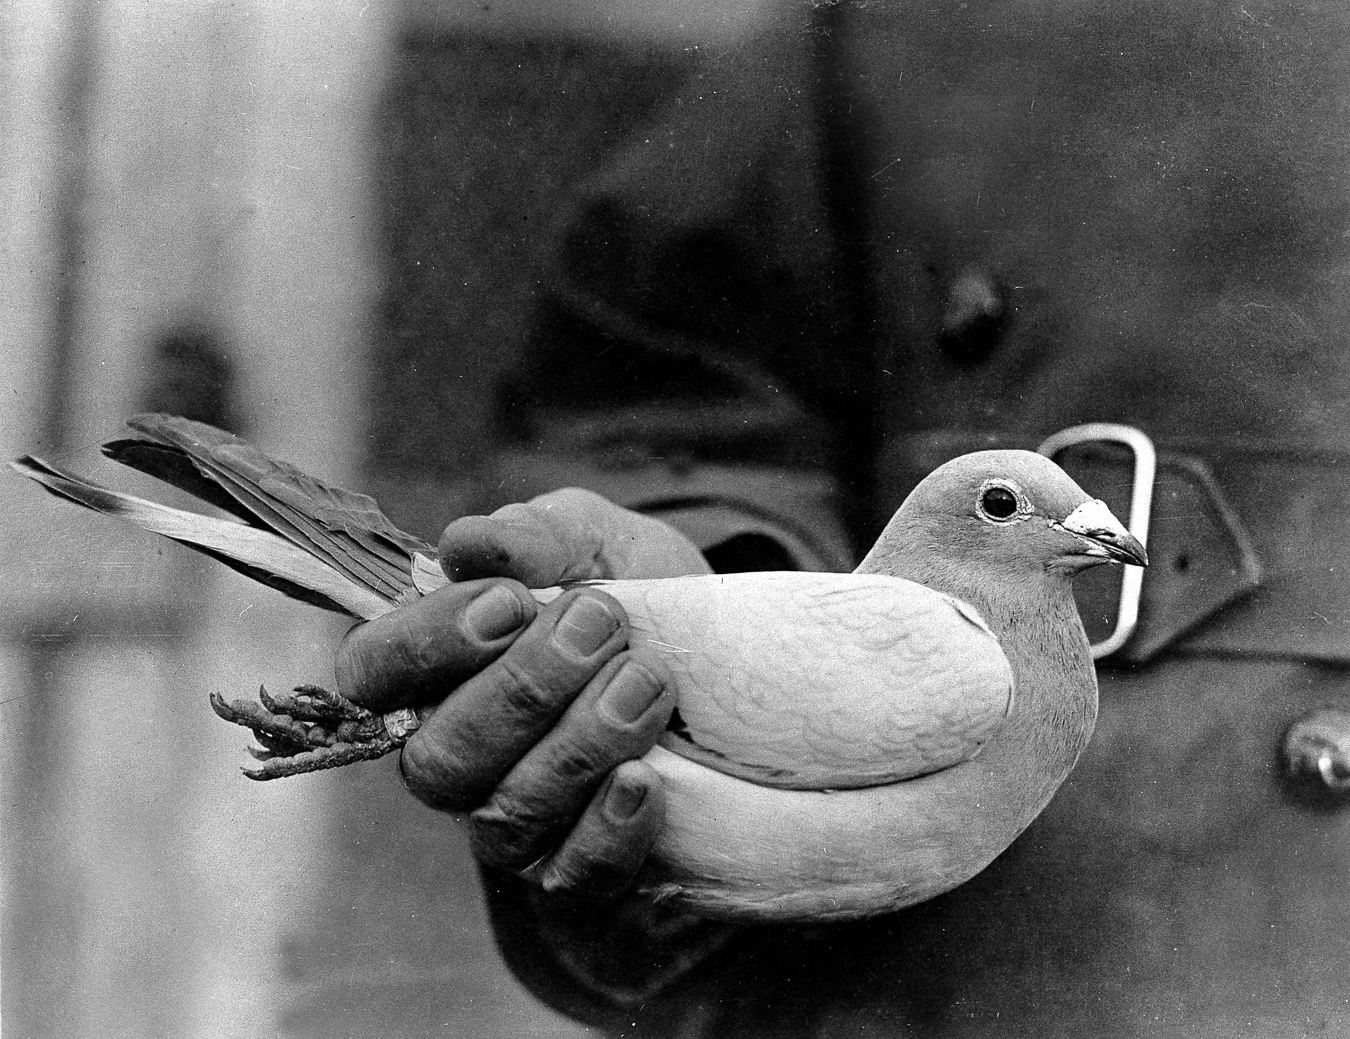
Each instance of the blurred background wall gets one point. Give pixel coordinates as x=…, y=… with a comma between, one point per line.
x=314, y=223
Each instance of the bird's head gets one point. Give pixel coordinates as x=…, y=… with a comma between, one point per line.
x=1013, y=511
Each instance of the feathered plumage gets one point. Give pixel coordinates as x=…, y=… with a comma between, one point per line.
x=843, y=744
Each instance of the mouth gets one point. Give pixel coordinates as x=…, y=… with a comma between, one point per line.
x=1101, y=535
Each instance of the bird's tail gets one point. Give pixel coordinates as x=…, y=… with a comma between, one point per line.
x=313, y=541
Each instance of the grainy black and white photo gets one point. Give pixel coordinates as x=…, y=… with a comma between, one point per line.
x=671, y=519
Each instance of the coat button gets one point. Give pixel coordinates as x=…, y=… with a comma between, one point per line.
x=1316, y=757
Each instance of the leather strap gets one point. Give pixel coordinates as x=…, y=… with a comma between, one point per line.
x=1249, y=545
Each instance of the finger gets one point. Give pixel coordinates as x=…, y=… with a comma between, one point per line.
x=618, y=717
x=603, y=854
x=520, y=541
x=478, y=734
x=617, y=542
x=421, y=651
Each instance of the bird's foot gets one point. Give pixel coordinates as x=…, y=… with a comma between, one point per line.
x=313, y=729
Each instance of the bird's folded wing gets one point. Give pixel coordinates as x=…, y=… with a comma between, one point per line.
x=251, y=550
x=345, y=529
x=821, y=680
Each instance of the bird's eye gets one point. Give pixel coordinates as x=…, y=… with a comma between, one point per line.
x=998, y=503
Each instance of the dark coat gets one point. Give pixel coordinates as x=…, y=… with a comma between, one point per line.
x=877, y=238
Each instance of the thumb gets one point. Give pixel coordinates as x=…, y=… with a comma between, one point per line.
x=527, y=542
x=566, y=535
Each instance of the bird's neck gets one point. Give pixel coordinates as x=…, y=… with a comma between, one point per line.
x=1056, y=695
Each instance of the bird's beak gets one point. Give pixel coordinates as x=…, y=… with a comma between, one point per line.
x=1103, y=536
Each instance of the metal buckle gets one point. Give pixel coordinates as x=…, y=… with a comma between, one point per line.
x=1141, y=504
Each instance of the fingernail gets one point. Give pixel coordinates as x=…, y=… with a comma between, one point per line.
x=496, y=612
x=629, y=694
x=585, y=627
x=624, y=799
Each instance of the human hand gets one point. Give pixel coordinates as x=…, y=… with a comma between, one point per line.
x=547, y=713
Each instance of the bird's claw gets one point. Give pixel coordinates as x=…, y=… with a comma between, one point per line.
x=313, y=729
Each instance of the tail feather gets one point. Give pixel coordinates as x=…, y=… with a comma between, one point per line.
x=251, y=550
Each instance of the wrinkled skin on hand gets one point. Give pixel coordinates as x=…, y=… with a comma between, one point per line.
x=542, y=713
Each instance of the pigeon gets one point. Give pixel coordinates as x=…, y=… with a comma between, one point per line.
x=843, y=745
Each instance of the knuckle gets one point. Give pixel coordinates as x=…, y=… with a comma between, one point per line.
x=435, y=777
x=518, y=514
x=526, y=695
x=565, y=874
x=569, y=516
x=509, y=833
x=581, y=759
x=574, y=872
x=603, y=854
x=569, y=498
x=532, y=522
x=415, y=648
x=351, y=665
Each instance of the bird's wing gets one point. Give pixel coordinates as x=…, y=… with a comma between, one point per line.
x=345, y=529
x=821, y=680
